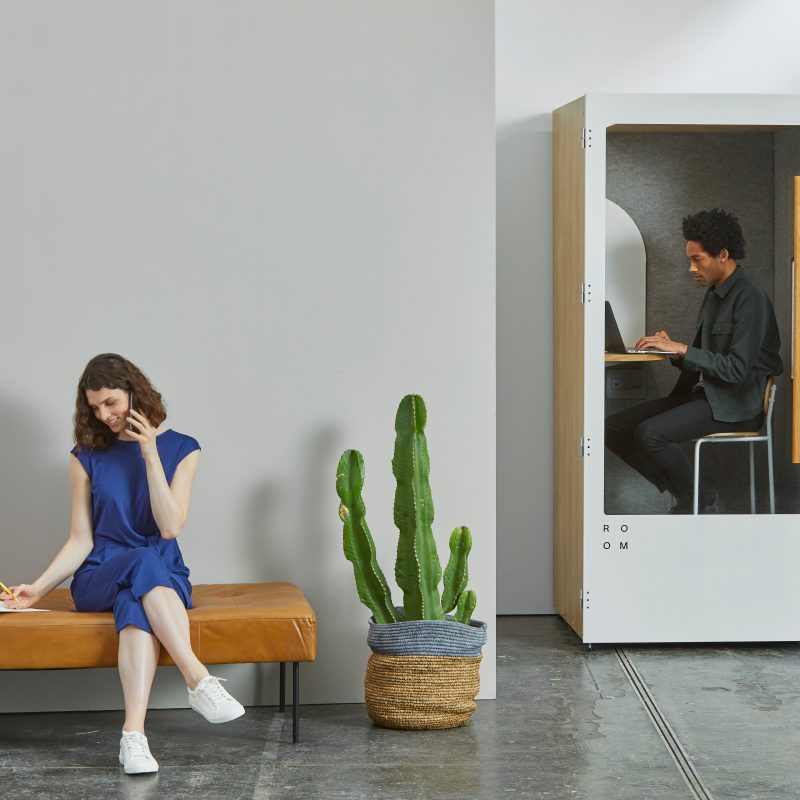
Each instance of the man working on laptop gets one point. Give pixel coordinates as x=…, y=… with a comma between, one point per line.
x=723, y=372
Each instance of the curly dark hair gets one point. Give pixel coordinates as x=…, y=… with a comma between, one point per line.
x=716, y=230
x=112, y=371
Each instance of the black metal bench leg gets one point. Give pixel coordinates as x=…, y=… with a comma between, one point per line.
x=282, y=690
x=295, y=702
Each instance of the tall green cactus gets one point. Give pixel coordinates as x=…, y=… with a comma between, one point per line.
x=456, y=573
x=417, y=568
x=359, y=548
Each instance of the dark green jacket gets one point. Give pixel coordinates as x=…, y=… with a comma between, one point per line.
x=736, y=348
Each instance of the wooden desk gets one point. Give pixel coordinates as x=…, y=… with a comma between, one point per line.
x=626, y=358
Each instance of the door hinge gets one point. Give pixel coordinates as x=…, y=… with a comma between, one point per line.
x=580, y=597
x=586, y=138
x=581, y=447
x=586, y=293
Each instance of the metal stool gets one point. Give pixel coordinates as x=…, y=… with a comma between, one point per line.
x=751, y=437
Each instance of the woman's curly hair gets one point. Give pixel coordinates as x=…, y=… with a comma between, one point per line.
x=112, y=371
x=716, y=230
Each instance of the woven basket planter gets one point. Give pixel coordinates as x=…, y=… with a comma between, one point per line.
x=423, y=674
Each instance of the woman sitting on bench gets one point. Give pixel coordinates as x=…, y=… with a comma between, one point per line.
x=131, y=483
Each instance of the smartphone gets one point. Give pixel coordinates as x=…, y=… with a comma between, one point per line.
x=131, y=400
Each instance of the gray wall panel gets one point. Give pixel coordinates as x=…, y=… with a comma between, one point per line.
x=285, y=213
x=524, y=367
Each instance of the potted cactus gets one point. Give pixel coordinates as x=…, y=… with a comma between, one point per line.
x=424, y=671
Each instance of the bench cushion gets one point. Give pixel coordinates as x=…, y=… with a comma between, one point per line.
x=230, y=624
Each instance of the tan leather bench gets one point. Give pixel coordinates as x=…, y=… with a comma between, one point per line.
x=238, y=623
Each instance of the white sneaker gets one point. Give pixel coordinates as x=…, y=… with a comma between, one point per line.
x=213, y=702
x=134, y=754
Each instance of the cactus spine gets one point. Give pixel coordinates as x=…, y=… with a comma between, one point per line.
x=359, y=548
x=417, y=568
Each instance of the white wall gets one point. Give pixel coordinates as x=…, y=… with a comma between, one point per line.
x=547, y=56
x=284, y=212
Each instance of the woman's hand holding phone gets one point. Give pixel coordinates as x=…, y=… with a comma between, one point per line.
x=144, y=433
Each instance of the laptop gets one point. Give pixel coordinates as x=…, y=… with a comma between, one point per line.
x=614, y=343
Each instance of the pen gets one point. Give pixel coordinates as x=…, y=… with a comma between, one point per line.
x=8, y=591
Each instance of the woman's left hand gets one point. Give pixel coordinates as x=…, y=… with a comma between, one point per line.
x=143, y=432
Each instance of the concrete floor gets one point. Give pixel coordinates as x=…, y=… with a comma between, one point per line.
x=567, y=724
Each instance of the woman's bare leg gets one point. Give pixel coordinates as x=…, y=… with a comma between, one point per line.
x=137, y=662
x=170, y=622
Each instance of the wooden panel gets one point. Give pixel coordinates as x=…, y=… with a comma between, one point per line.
x=568, y=377
x=796, y=330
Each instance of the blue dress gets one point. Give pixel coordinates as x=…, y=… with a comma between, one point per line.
x=129, y=557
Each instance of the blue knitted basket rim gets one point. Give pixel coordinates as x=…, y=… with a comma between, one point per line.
x=427, y=637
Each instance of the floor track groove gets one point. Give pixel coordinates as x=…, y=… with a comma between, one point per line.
x=681, y=758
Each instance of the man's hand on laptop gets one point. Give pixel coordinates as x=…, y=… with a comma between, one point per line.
x=661, y=342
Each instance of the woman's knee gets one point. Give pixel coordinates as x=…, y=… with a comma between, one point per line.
x=134, y=640
x=159, y=591
x=131, y=632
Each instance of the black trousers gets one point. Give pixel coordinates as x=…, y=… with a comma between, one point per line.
x=647, y=438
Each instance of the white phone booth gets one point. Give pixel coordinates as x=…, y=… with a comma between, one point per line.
x=622, y=575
